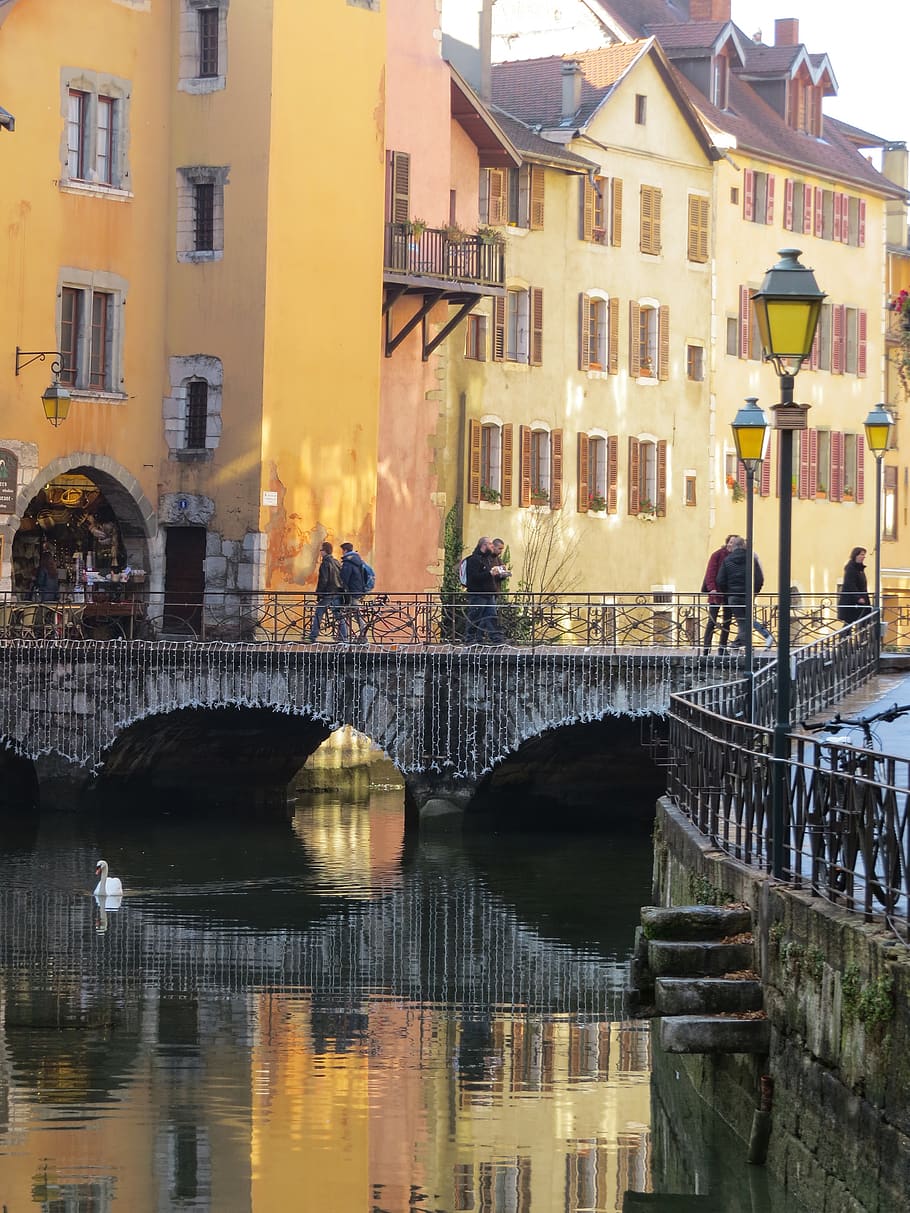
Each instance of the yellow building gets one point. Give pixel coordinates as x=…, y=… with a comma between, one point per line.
x=584, y=390
x=205, y=278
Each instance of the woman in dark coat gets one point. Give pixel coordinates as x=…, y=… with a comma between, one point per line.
x=853, y=601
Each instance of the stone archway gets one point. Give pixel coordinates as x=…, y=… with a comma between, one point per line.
x=135, y=514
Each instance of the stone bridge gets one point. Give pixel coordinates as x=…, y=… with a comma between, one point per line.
x=169, y=714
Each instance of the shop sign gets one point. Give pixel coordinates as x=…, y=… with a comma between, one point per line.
x=9, y=479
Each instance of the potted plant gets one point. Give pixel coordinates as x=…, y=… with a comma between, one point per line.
x=646, y=509
x=821, y=490
x=489, y=235
x=735, y=488
x=597, y=503
x=540, y=497
x=901, y=305
x=416, y=228
x=454, y=233
x=490, y=494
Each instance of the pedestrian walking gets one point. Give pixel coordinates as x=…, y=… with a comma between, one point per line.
x=731, y=581
x=501, y=572
x=354, y=580
x=483, y=619
x=853, y=600
x=329, y=595
x=47, y=579
x=716, y=600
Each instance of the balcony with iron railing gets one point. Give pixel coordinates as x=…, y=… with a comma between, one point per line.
x=435, y=256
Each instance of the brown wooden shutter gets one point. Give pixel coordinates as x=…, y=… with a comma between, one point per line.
x=646, y=219
x=555, y=469
x=612, y=474
x=838, y=328
x=634, y=476
x=807, y=210
x=616, y=212
x=661, y=502
x=583, y=486
x=836, y=487
x=657, y=203
x=524, y=459
x=862, y=335
x=802, y=477
x=634, y=347
x=474, y=442
x=507, y=464
x=748, y=194
x=764, y=484
x=861, y=469
x=536, y=348
x=769, y=199
x=537, y=197
x=788, y=203
x=663, y=342
x=499, y=328
x=698, y=228
x=497, y=196
x=587, y=209
x=399, y=191
x=745, y=321
x=584, y=332
x=613, y=336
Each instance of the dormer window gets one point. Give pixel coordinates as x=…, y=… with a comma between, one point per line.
x=720, y=88
x=805, y=106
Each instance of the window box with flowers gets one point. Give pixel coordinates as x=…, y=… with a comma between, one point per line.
x=597, y=504
x=647, y=511
x=900, y=306
x=736, y=489
x=540, y=497
x=490, y=495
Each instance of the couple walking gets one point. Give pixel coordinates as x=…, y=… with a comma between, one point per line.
x=340, y=586
x=484, y=576
x=725, y=585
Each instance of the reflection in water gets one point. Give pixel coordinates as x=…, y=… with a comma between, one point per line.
x=289, y=1016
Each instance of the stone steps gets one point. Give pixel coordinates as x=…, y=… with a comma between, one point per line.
x=695, y=922
x=713, y=1034
x=698, y=957
x=709, y=995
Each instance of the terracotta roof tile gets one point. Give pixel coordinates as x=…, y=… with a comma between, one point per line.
x=535, y=147
x=697, y=35
x=531, y=89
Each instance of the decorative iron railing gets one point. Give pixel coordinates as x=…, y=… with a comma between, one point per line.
x=847, y=815
x=620, y=620
x=436, y=253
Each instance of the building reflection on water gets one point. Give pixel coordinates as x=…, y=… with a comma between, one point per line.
x=384, y=1038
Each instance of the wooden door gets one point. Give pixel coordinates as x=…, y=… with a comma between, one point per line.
x=184, y=577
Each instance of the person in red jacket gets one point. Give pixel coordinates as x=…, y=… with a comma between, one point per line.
x=717, y=599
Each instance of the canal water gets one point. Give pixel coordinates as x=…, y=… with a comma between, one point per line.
x=317, y=1015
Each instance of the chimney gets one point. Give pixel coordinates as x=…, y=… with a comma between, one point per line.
x=786, y=31
x=709, y=10
x=571, y=87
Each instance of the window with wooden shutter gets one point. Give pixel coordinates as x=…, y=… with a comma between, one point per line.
x=584, y=332
x=788, y=203
x=698, y=228
x=475, y=431
x=837, y=466
x=497, y=196
x=536, y=351
x=634, y=476
x=507, y=464
x=613, y=336
x=537, y=197
x=861, y=240
x=838, y=316
x=650, y=219
x=616, y=212
x=745, y=321
x=634, y=347
x=499, y=328
x=807, y=209
x=769, y=198
x=587, y=209
x=555, y=469
x=860, y=469
x=862, y=341
x=583, y=486
x=612, y=474
x=399, y=191
x=524, y=459
x=802, y=474
x=818, y=225
x=661, y=484
x=764, y=478
x=71, y=303
x=838, y=216
x=663, y=342
x=748, y=194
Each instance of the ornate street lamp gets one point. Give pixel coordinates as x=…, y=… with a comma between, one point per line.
x=55, y=398
x=787, y=308
x=750, y=435
x=878, y=426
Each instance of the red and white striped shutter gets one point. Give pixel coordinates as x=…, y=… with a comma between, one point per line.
x=862, y=345
x=769, y=199
x=807, y=210
x=802, y=480
x=813, y=462
x=845, y=219
x=788, y=203
x=862, y=223
x=748, y=194
x=819, y=210
x=838, y=215
x=861, y=469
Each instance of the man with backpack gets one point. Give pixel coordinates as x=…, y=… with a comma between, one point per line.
x=329, y=595
x=357, y=578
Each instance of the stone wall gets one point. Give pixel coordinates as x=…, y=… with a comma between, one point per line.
x=837, y=994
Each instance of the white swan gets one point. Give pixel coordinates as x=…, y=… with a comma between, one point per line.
x=107, y=886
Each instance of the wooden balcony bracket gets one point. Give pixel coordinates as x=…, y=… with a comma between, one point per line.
x=430, y=299
x=450, y=325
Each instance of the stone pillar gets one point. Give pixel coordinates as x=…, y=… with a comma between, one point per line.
x=436, y=802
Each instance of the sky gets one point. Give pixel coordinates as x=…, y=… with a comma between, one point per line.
x=871, y=74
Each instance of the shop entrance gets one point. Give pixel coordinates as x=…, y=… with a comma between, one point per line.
x=184, y=579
